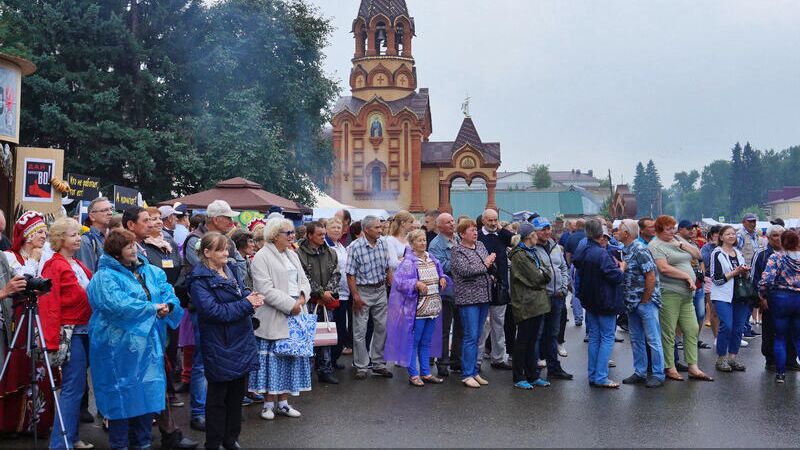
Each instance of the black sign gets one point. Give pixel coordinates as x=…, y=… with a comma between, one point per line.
x=125, y=197
x=83, y=187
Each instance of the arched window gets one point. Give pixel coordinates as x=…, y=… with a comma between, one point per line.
x=398, y=39
x=376, y=179
x=380, y=38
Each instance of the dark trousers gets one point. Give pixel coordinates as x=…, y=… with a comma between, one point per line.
x=172, y=351
x=343, y=315
x=224, y=412
x=563, y=328
x=451, y=320
x=133, y=432
x=166, y=424
x=510, y=329
x=768, y=340
x=525, y=350
x=548, y=336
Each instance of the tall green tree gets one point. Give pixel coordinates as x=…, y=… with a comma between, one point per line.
x=541, y=175
x=652, y=192
x=715, y=188
x=754, y=193
x=739, y=180
x=640, y=188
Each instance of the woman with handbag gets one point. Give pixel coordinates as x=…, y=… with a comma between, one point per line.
x=780, y=283
x=470, y=263
x=65, y=314
x=279, y=277
x=414, y=315
x=225, y=308
x=731, y=291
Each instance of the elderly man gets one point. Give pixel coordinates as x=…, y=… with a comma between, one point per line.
x=439, y=248
x=642, y=300
x=551, y=254
x=100, y=212
x=368, y=274
x=500, y=326
x=168, y=219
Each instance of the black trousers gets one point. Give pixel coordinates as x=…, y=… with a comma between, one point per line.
x=224, y=412
x=510, y=330
x=563, y=327
x=768, y=340
x=451, y=319
x=524, y=362
x=343, y=316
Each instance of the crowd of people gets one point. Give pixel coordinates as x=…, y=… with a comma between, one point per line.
x=155, y=301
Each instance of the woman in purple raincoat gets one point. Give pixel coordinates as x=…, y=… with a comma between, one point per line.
x=415, y=311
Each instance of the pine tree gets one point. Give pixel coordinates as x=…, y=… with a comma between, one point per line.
x=639, y=189
x=653, y=189
x=738, y=188
x=754, y=187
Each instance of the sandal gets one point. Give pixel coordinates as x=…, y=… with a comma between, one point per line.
x=432, y=379
x=609, y=385
x=700, y=377
x=674, y=376
x=416, y=381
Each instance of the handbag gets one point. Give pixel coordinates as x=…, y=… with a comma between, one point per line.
x=325, y=334
x=63, y=354
x=300, y=342
x=743, y=291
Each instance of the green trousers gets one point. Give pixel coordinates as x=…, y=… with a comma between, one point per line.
x=678, y=309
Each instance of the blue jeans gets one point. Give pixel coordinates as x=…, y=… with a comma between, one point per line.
x=700, y=305
x=601, y=341
x=198, y=385
x=421, y=346
x=73, y=385
x=472, y=319
x=548, y=337
x=785, y=309
x=645, y=329
x=732, y=317
x=577, y=308
x=134, y=433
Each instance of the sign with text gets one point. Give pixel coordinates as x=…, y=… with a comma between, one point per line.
x=83, y=187
x=36, y=182
x=35, y=168
x=125, y=197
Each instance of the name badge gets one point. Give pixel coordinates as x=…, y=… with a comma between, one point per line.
x=167, y=264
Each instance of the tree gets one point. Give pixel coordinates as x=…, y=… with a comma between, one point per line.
x=738, y=182
x=752, y=209
x=682, y=198
x=640, y=188
x=753, y=188
x=541, y=175
x=714, y=192
x=651, y=192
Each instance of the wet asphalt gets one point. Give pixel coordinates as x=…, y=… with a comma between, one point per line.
x=737, y=410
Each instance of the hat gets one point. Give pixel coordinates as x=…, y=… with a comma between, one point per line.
x=606, y=233
x=253, y=223
x=220, y=208
x=525, y=230
x=540, y=223
x=275, y=209
x=166, y=211
x=275, y=215
x=180, y=209
x=24, y=227
x=749, y=217
x=686, y=224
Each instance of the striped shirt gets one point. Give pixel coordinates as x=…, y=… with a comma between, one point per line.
x=368, y=263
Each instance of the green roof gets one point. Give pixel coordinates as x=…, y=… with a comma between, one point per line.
x=547, y=204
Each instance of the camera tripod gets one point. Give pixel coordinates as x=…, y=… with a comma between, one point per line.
x=34, y=346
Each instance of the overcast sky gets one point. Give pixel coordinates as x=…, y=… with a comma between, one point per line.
x=602, y=85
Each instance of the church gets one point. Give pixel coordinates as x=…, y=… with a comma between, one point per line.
x=383, y=157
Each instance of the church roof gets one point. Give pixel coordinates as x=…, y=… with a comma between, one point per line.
x=468, y=135
x=442, y=152
x=417, y=102
x=389, y=8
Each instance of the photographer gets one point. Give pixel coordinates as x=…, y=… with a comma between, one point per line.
x=65, y=314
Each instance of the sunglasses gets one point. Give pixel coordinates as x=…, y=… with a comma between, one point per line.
x=288, y=233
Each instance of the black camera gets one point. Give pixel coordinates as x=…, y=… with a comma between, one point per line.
x=35, y=285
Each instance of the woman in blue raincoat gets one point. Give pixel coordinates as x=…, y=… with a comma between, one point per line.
x=132, y=305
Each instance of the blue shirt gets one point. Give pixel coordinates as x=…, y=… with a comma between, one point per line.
x=368, y=263
x=640, y=262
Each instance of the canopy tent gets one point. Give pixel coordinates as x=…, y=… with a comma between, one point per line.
x=355, y=213
x=242, y=195
x=323, y=200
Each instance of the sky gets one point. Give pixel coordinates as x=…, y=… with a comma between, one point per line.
x=582, y=84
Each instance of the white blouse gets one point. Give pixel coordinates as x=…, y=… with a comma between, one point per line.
x=294, y=277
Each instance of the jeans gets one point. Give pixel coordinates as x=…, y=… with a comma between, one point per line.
x=376, y=306
x=601, y=328
x=768, y=339
x=451, y=323
x=224, y=405
x=524, y=363
x=73, y=384
x=131, y=433
x=732, y=317
x=421, y=347
x=785, y=309
x=700, y=305
x=198, y=384
x=577, y=308
x=494, y=328
x=645, y=331
x=323, y=361
x=472, y=319
x=548, y=336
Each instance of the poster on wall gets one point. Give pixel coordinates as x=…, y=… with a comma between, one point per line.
x=10, y=87
x=36, y=182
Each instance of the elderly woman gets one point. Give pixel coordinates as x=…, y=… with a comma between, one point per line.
x=529, y=303
x=470, y=265
x=65, y=314
x=132, y=305
x=343, y=315
x=279, y=276
x=415, y=312
x=224, y=309
x=674, y=263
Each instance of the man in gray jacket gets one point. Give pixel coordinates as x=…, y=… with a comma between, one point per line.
x=550, y=253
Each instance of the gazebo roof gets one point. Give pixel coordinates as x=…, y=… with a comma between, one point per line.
x=241, y=194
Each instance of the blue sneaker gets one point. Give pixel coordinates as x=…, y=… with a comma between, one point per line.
x=247, y=401
x=257, y=398
x=541, y=383
x=523, y=385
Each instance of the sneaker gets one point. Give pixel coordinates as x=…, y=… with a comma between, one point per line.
x=744, y=344
x=634, y=379
x=288, y=411
x=267, y=414
x=612, y=363
x=736, y=365
x=541, y=383
x=722, y=365
x=523, y=385
x=256, y=397
x=679, y=345
x=703, y=345
x=780, y=377
x=654, y=383
x=247, y=401
x=542, y=363
x=562, y=352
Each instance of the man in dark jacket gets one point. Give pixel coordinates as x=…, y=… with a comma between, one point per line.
x=322, y=269
x=600, y=292
x=502, y=329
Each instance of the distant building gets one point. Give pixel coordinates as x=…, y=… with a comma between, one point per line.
x=783, y=203
x=623, y=204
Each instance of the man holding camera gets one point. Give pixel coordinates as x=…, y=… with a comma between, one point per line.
x=322, y=268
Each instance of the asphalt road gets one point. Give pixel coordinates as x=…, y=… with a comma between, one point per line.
x=737, y=410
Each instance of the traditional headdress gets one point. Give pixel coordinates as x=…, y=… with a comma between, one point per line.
x=253, y=223
x=24, y=227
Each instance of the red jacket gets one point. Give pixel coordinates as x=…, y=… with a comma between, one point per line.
x=66, y=304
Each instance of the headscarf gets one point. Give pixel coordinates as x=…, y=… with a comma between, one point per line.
x=28, y=224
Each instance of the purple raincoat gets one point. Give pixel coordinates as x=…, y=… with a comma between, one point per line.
x=402, y=312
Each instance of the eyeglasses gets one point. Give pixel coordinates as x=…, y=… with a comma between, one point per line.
x=105, y=210
x=288, y=233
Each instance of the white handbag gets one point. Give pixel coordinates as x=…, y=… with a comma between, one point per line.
x=326, y=330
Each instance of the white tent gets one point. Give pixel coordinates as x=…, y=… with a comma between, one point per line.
x=324, y=200
x=355, y=213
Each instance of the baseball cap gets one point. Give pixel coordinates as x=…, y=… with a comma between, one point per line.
x=749, y=217
x=180, y=209
x=685, y=224
x=166, y=211
x=274, y=209
x=540, y=223
x=220, y=208
x=525, y=230
x=606, y=233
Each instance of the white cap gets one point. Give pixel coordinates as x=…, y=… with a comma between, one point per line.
x=220, y=208
x=166, y=211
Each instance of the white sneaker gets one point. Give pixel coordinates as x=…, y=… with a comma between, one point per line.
x=267, y=414
x=542, y=363
x=744, y=343
x=562, y=352
x=288, y=411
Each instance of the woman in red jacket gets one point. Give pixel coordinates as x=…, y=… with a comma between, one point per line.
x=65, y=314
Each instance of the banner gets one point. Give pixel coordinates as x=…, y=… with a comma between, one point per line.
x=83, y=187
x=125, y=197
x=10, y=88
x=36, y=185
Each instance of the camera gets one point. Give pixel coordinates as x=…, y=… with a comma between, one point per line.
x=35, y=285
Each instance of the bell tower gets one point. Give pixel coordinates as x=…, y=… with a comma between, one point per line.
x=383, y=64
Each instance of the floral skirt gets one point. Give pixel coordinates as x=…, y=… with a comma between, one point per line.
x=279, y=374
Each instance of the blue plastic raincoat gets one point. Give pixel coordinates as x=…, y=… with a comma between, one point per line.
x=127, y=338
